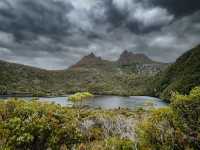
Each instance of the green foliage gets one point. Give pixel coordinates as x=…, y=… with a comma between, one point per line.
x=187, y=109
x=181, y=76
x=156, y=131
x=35, y=125
x=176, y=127
x=80, y=96
x=119, y=144
x=100, y=78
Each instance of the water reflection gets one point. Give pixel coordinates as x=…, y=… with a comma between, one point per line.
x=107, y=102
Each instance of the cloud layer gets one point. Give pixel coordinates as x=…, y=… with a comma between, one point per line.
x=54, y=34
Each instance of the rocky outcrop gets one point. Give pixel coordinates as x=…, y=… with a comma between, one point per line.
x=140, y=63
x=127, y=58
x=89, y=61
x=150, y=69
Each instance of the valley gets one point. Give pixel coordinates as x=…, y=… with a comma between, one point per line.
x=103, y=122
x=91, y=73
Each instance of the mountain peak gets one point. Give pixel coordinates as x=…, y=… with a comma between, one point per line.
x=125, y=52
x=88, y=60
x=91, y=54
x=128, y=57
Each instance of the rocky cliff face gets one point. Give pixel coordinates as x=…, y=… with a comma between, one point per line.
x=127, y=58
x=91, y=61
x=140, y=63
x=150, y=69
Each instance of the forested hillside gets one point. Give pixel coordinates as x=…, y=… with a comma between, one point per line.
x=181, y=76
x=91, y=73
x=25, y=80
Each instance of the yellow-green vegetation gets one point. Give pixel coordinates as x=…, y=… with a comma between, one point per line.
x=181, y=76
x=34, y=125
x=80, y=96
x=101, y=78
x=173, y=128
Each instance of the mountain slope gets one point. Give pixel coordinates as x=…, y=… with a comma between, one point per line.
x=21, y=79
x=91, y=74
x=127, y=58
x=181, y=76
x=92, y=61
x=139, y=64
x=100, y=76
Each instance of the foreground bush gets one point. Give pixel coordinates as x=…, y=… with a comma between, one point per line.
x=34, y=125
x=187, y=111
x=80, y=96
x=176, y=127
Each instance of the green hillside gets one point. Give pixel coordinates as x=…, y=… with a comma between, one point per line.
x=21, y=79
x=91, y=73
x=181, y=76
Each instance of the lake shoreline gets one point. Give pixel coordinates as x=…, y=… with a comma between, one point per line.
x=100, y=101
x=65, y=95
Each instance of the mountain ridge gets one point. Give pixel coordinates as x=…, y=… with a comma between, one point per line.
x=91, y=73
x=181, y=76
x=128, y=57
x=91, y=58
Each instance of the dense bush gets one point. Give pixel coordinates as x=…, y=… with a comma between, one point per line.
x=80, y=96
x=118, y=144
x=181, y=76
x=34, y=125
x=187, y=111
x=176, y=127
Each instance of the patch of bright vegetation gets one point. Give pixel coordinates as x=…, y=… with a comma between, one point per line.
x=36, y=125
x=80, y=96
x=176, y=127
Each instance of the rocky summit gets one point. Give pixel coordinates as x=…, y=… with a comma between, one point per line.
x=127, y=58
x=90, y=59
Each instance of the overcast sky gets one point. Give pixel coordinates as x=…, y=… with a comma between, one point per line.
x=54, y=34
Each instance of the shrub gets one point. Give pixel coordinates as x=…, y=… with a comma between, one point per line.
x=80, y=96
x=156, y=131
x=187, y=111
x=34, y=125
x=176, y=127
x=118, y=144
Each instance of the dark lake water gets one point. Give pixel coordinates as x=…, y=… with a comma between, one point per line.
x=106, y=102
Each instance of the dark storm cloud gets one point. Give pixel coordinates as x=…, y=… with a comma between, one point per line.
x=178, y=7
x=54, y=34
x=25, y=18
x=135, y=15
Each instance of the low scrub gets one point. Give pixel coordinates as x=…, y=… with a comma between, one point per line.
x=173, y=128
x=80, y=96
x=34, y=125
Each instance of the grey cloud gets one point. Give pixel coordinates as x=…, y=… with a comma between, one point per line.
x=178, y=7
x=173, y=40
x=54, y=34
x=34, y=16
